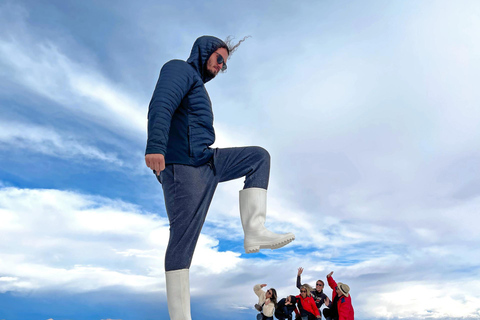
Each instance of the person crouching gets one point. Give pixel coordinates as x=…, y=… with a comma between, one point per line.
x=267, y=302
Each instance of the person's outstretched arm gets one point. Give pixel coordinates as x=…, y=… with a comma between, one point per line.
x=331, y=282
x=299, y=280
x=258, y=290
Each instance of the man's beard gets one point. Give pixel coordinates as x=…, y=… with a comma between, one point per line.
x=209, y=73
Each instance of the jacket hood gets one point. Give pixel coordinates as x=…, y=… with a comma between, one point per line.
x=202, y=50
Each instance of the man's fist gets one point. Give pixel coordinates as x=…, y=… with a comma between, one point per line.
x=156, y=162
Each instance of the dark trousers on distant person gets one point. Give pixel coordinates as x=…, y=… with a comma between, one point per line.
x=330, y=314
x=261, y=316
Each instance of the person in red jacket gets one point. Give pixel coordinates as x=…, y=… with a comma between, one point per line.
x=341, y=306
x=306, y=305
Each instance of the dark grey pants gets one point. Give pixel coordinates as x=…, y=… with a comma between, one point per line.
x=189, y=190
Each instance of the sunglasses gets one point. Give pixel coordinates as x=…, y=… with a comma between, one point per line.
x=221, y=61
x=303, y=290
x=319, y=284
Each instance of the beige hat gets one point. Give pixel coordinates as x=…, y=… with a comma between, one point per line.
x=344, y=288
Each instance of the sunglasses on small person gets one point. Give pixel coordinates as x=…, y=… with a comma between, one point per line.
x=319, y=284
x=221, y=61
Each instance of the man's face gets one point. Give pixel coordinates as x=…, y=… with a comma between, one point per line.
x=213, y=67
x=319, y=286
x=339, y=292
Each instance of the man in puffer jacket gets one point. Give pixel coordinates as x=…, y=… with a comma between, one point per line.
x=180, y=133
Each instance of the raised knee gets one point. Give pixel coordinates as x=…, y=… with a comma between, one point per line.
x=262, y=154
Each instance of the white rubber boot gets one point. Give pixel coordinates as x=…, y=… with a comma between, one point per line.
x=253, y=209
x=178, y=294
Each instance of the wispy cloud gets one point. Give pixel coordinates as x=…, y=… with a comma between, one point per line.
x=39, y=66
x=44, y=140
x=84, y=239
x=370, y=115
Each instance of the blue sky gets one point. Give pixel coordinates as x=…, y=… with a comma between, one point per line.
x=370, y=113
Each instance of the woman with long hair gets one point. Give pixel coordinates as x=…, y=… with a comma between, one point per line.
x=306, y=305
x=317, y=294
x=267, y=302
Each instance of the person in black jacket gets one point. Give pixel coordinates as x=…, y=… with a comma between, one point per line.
x=180, y=135
x=317, y=292
x=285, y=307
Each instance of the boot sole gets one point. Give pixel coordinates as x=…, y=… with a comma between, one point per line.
x=276, y=245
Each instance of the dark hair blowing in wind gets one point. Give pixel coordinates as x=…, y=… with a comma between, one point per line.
x=232, y=46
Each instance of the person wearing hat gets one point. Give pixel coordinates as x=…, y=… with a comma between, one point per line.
x=341, y=306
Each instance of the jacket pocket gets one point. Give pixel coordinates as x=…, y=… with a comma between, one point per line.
x=189, y=137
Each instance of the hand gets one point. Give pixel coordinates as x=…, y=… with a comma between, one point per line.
x=330, y=274
x=156, y=162
x=300, y=270
x=326, y=302
x=263, y=285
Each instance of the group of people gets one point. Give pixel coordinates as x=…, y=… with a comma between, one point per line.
x=307, y=304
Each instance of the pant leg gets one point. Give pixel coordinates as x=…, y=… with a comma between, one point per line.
x=188, y=192
x=327, y=313
x=253, y=163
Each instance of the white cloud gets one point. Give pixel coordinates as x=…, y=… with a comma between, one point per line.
x=72, y=242
x=411, y=297
x=68, y=241
x=374, y=159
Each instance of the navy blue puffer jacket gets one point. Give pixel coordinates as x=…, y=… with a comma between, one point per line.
x=180, y=117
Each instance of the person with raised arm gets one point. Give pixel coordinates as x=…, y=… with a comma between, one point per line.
x=267, y=302
x=317, y=293
x=341, y=306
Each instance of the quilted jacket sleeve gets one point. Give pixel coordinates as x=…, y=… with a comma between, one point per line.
x=173, y=84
